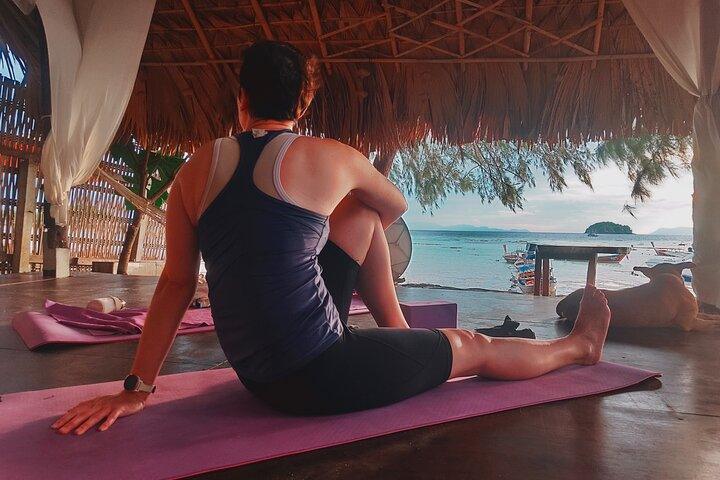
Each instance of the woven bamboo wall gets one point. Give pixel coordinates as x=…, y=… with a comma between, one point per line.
x=98, y=216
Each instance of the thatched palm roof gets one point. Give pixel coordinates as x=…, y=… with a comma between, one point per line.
x=397, y=71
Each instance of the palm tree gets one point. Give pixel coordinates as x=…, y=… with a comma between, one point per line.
x=151, y=176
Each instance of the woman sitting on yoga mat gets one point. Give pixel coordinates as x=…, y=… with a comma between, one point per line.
x=288, y=226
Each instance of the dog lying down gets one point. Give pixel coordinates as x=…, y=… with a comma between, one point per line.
x=662, y=302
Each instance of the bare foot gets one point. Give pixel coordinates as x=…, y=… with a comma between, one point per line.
x=591, y=325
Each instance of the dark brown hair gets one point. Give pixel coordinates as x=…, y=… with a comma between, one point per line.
x=278, y=79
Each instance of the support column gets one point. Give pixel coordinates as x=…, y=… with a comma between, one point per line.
x=25, y=217
x=56, y=254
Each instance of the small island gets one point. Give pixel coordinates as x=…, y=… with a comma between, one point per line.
x=608, y=227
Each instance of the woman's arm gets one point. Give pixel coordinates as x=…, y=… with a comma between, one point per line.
x=373, y=189
x=173, y=294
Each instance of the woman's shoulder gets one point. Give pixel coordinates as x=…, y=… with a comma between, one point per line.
x=327, y=148
x=200, y=162
x=193, y=175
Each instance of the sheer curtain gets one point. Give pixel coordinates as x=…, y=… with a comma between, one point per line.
x=685, y=36
x=94, y=49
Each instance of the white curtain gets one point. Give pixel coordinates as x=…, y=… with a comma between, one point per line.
x=94, y=49
x=685, y=36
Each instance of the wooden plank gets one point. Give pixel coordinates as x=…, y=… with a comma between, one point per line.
x=332, y=59
x=545, y=277
x=598, y=28
x=25, y=216
x=260, y=16
x=529, y=4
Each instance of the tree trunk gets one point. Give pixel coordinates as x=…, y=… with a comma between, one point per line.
x=132, y=232
x=131, y=236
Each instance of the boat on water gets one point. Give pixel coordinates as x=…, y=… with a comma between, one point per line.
x=611, y=258
x=592, y=234
x=669, y=251
x=512, y=257
x=523, y=279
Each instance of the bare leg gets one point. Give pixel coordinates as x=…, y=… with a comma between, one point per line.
x=518, y=359
x=357, y=230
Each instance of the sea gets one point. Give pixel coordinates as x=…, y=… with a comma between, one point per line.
x=474, y=260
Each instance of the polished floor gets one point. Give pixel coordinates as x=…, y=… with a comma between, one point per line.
x=662, y=429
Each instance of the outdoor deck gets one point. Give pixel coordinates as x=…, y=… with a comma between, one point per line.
x=663, y=429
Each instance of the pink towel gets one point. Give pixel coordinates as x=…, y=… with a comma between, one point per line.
x=129, y=321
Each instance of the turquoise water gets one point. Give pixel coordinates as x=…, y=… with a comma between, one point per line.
x=474, y=259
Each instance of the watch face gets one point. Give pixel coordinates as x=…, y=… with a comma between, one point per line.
x=131, y=382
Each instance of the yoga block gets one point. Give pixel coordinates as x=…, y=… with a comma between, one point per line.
x=437, y=314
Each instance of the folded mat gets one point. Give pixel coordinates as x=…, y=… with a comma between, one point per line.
x=37, y=329
x=65, y=324
x=203, y=421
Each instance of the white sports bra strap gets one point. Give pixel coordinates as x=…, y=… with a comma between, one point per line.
x=211, y=175
x=286, y=141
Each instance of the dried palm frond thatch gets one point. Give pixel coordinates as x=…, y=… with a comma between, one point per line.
x=398, y=71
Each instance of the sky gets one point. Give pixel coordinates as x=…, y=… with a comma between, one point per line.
x=573, y=210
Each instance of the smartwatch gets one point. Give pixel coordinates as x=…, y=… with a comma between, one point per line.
x=134, y=384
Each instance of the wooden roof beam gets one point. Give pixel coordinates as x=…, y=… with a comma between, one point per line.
x=529, y=4
x=361, y=47
x=419, y=15
x=352, y=25
x=318, y=30
x=228, y=73
x=260, y=17
x=598, y=28
x=388, y=27
x=496, y=41
x=567, y=37
x=480, y=12
x=431, y=47
x=457, y=28
x=458, y=20
x=579, y=58
x=533, y=27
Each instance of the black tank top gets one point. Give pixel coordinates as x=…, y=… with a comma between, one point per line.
x=271, y=309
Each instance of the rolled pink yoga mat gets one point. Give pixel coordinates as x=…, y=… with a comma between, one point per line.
x=203, y=421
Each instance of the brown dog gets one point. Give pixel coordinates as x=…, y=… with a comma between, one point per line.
x=662, y=302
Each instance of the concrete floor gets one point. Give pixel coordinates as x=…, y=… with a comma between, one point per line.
x=662, y=429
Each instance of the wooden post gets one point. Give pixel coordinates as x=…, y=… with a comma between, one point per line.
x=538, y=275
x=25, y=217
x=545, y=277
x=56, y=254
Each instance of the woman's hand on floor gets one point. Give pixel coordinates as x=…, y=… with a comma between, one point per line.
x=109, y=408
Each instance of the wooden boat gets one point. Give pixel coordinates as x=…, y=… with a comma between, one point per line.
x=668, y=252
x=512, y=257
x=611, y=258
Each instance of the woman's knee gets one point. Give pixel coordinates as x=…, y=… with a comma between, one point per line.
x=468, y=349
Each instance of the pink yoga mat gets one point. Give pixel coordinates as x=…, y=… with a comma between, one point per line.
x=37, y=329
x=203, y=421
